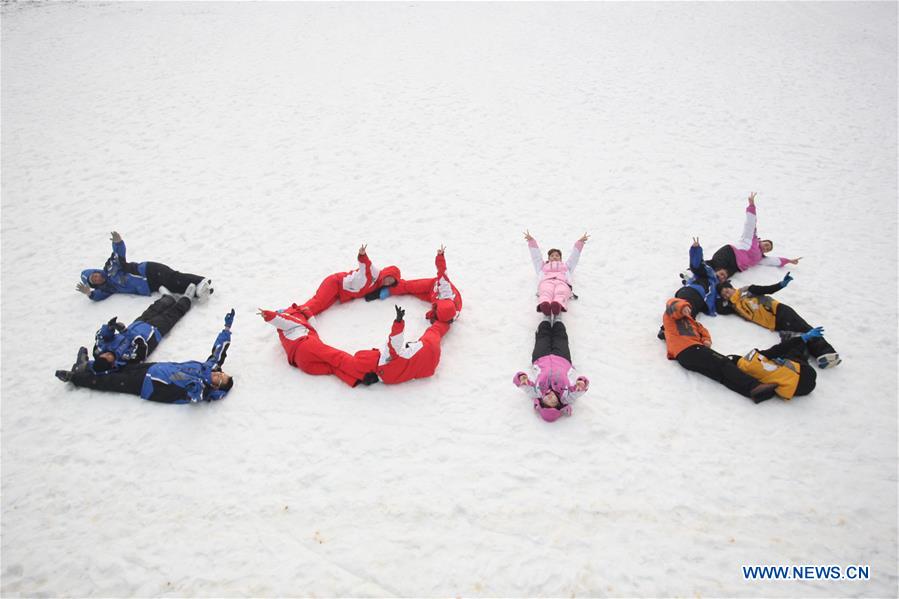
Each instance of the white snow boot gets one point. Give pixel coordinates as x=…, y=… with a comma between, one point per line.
x=829, y=360
x=204, y=289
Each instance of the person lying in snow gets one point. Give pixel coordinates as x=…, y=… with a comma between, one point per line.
x=555, y=277
x=346, y=286
x=117, y=346
x=783, y=364
x=400, y=361
x=691, y=345
x=120, y=276
x=747, y=251
x=699, y=287
x=755, y=305
x=305, y=349
x=166, y=382
x=551, y=390
x=439, y=292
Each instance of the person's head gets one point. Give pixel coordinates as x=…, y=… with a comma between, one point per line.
x=389, y=276
x=221, y=380
x=721, y=273
x=686, y=310
x=104, y=362
x=93, y=277
x=554, y=255
x=766, y=245
x=549, y=400
x=445, y=310
x=726, y=290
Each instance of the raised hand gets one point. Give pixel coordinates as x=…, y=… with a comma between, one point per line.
x=441, y=249
x=522, y=379
x=528, y=236
x=362, y=249
x=400, y=313
x=229, y=319
x=115, y=237
x=795, y=260
x=584, y=238
x=786, y=280
x=83, y=289
x=696, y=242
x=752, y=198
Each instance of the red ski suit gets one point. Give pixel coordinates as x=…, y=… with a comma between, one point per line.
x=346, y=286
x=415, y=360
x=445, y=299
x=309, y=353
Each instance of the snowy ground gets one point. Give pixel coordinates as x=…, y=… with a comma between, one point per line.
x=260, y=144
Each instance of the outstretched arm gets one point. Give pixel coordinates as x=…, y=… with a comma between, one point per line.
x=575, y=391
x=222, y=343
x=363, y=274
x=778, y=261
x=534, y=249
x=749, y=225
x=118, y=246
x=397, y=342
x=522, y=381
x=696, y=259
x=576, y=252
x=440, y=262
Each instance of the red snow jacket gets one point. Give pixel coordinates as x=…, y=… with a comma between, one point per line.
x=445, y=299
x=403, y=362
x=350, y=285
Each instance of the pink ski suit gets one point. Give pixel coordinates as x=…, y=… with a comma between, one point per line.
x=747, y=250
x=552, y=375
x=554, y=276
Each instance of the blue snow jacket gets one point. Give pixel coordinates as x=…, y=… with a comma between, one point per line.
x=121, y=276
x=129, y=346
x=187, y=382
x=703, y=280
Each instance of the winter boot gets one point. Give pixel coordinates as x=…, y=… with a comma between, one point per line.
x=81, y=360
x=762, y=392
x=204, y=289
x=64, y=375
x=661, y=333
x=829, y=360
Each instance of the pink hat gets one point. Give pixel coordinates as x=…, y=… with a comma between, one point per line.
x=549, y=414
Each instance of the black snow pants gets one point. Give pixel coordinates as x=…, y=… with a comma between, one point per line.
x=129, y=379
x=176, y=282
x=717, y=367
x=551, y=340
x=163, y=314
x=786, y=319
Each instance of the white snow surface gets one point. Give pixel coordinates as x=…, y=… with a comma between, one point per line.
x=259, y=144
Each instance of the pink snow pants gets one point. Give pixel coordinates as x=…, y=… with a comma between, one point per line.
x=554, y=290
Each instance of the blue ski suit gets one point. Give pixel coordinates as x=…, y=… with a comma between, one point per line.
x=121, y=276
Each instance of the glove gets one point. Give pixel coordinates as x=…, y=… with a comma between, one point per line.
x=400, y=313
x=115, y=324
x=115, y=237
x=83, y=289
x=370, y=378
x=786, y=281
x=229, y=318
x=373, y=295
x=815, y=333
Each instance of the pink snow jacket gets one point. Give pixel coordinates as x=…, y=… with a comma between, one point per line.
x=552, y=374
x=747, y=250
x=555, y=270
